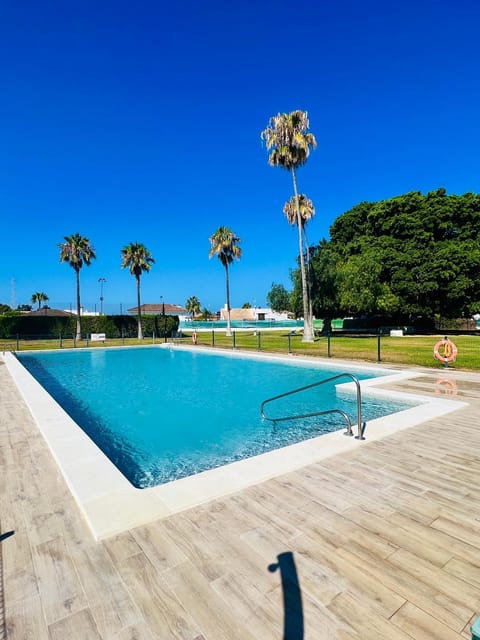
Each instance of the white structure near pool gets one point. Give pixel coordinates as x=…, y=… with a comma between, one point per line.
x=208, y=465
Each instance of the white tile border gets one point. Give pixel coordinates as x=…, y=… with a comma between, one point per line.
x=111, y=504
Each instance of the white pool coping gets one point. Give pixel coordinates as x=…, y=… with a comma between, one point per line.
x=110, y=504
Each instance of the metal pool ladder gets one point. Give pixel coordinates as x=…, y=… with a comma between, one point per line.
x=349, y=431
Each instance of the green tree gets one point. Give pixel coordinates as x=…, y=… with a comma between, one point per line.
x=77, y=251
x=224, y=244
x=361, y=290
x=279, y=299
x=39, y=297
x=324, y=289
x=246, y=305
x=423, y=254
x=193, y=305
x=290, y=142
x=138, y=259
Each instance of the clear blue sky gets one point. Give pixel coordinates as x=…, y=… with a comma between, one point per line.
x=140, y=121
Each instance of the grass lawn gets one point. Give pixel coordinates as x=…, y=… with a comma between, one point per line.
x=412, y=350
x=408, y=350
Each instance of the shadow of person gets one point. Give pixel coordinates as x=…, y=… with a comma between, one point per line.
x=292, y=596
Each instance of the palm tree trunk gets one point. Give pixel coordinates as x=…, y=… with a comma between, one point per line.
x=307, y=316
x=140, y=331
x=229, y=329
x=79, y=309
x=308, y=269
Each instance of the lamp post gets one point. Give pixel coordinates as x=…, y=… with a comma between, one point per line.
x=102, y=282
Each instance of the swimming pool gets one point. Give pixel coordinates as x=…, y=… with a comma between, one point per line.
x=164, y=414
x=111, y=504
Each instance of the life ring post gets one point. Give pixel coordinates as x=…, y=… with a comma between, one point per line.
x=445, y=351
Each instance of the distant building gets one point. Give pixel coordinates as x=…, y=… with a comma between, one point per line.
x=83, y=312
x=254, y=314
x=46, y=311
x=159, y=309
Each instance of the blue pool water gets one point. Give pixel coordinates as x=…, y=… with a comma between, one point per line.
x=163, y=414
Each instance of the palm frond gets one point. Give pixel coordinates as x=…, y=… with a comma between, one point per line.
x=306, y=209
x=137, y=258
x=288, y=138
x=224, y=244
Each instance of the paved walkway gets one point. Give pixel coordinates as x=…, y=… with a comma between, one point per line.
x=381, y=542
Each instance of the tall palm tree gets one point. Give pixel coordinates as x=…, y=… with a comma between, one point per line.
x=290, y=142
x=138, y=259
x=38, y=297
x=193, y=305
x=224, y=244
x=307, y=211
x=77, y=251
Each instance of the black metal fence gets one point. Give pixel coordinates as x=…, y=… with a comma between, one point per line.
x=374, y=348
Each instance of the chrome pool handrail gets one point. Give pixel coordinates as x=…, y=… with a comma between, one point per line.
x=360, y=424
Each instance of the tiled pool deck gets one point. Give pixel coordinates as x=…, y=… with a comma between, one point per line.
x=384, y=533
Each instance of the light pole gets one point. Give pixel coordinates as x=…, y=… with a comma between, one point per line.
x=102, y=282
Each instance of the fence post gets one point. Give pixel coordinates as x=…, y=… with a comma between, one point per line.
x=74, y=341
x=289, y=343
x=60, y=340
x=259, y=341
x=234, y=344
x=379, y=359
x=329, y=354
x=213, y=337
x=123, y=338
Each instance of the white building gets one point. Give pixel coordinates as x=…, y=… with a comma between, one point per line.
x=254, y=314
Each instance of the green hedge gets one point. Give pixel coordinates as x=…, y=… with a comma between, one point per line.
x=113, y=326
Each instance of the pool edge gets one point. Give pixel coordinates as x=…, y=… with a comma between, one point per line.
x=116, y=505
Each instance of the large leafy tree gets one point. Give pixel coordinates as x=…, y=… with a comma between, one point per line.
x=279, y=299
x=38, y=297
x=193, y=305
x=138, y=259
x=360, y=287
x=289, y=141
x=224, y=244
x=77, y=251
x=419, y=255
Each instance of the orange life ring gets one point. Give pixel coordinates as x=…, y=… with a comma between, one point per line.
x=449, y=351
